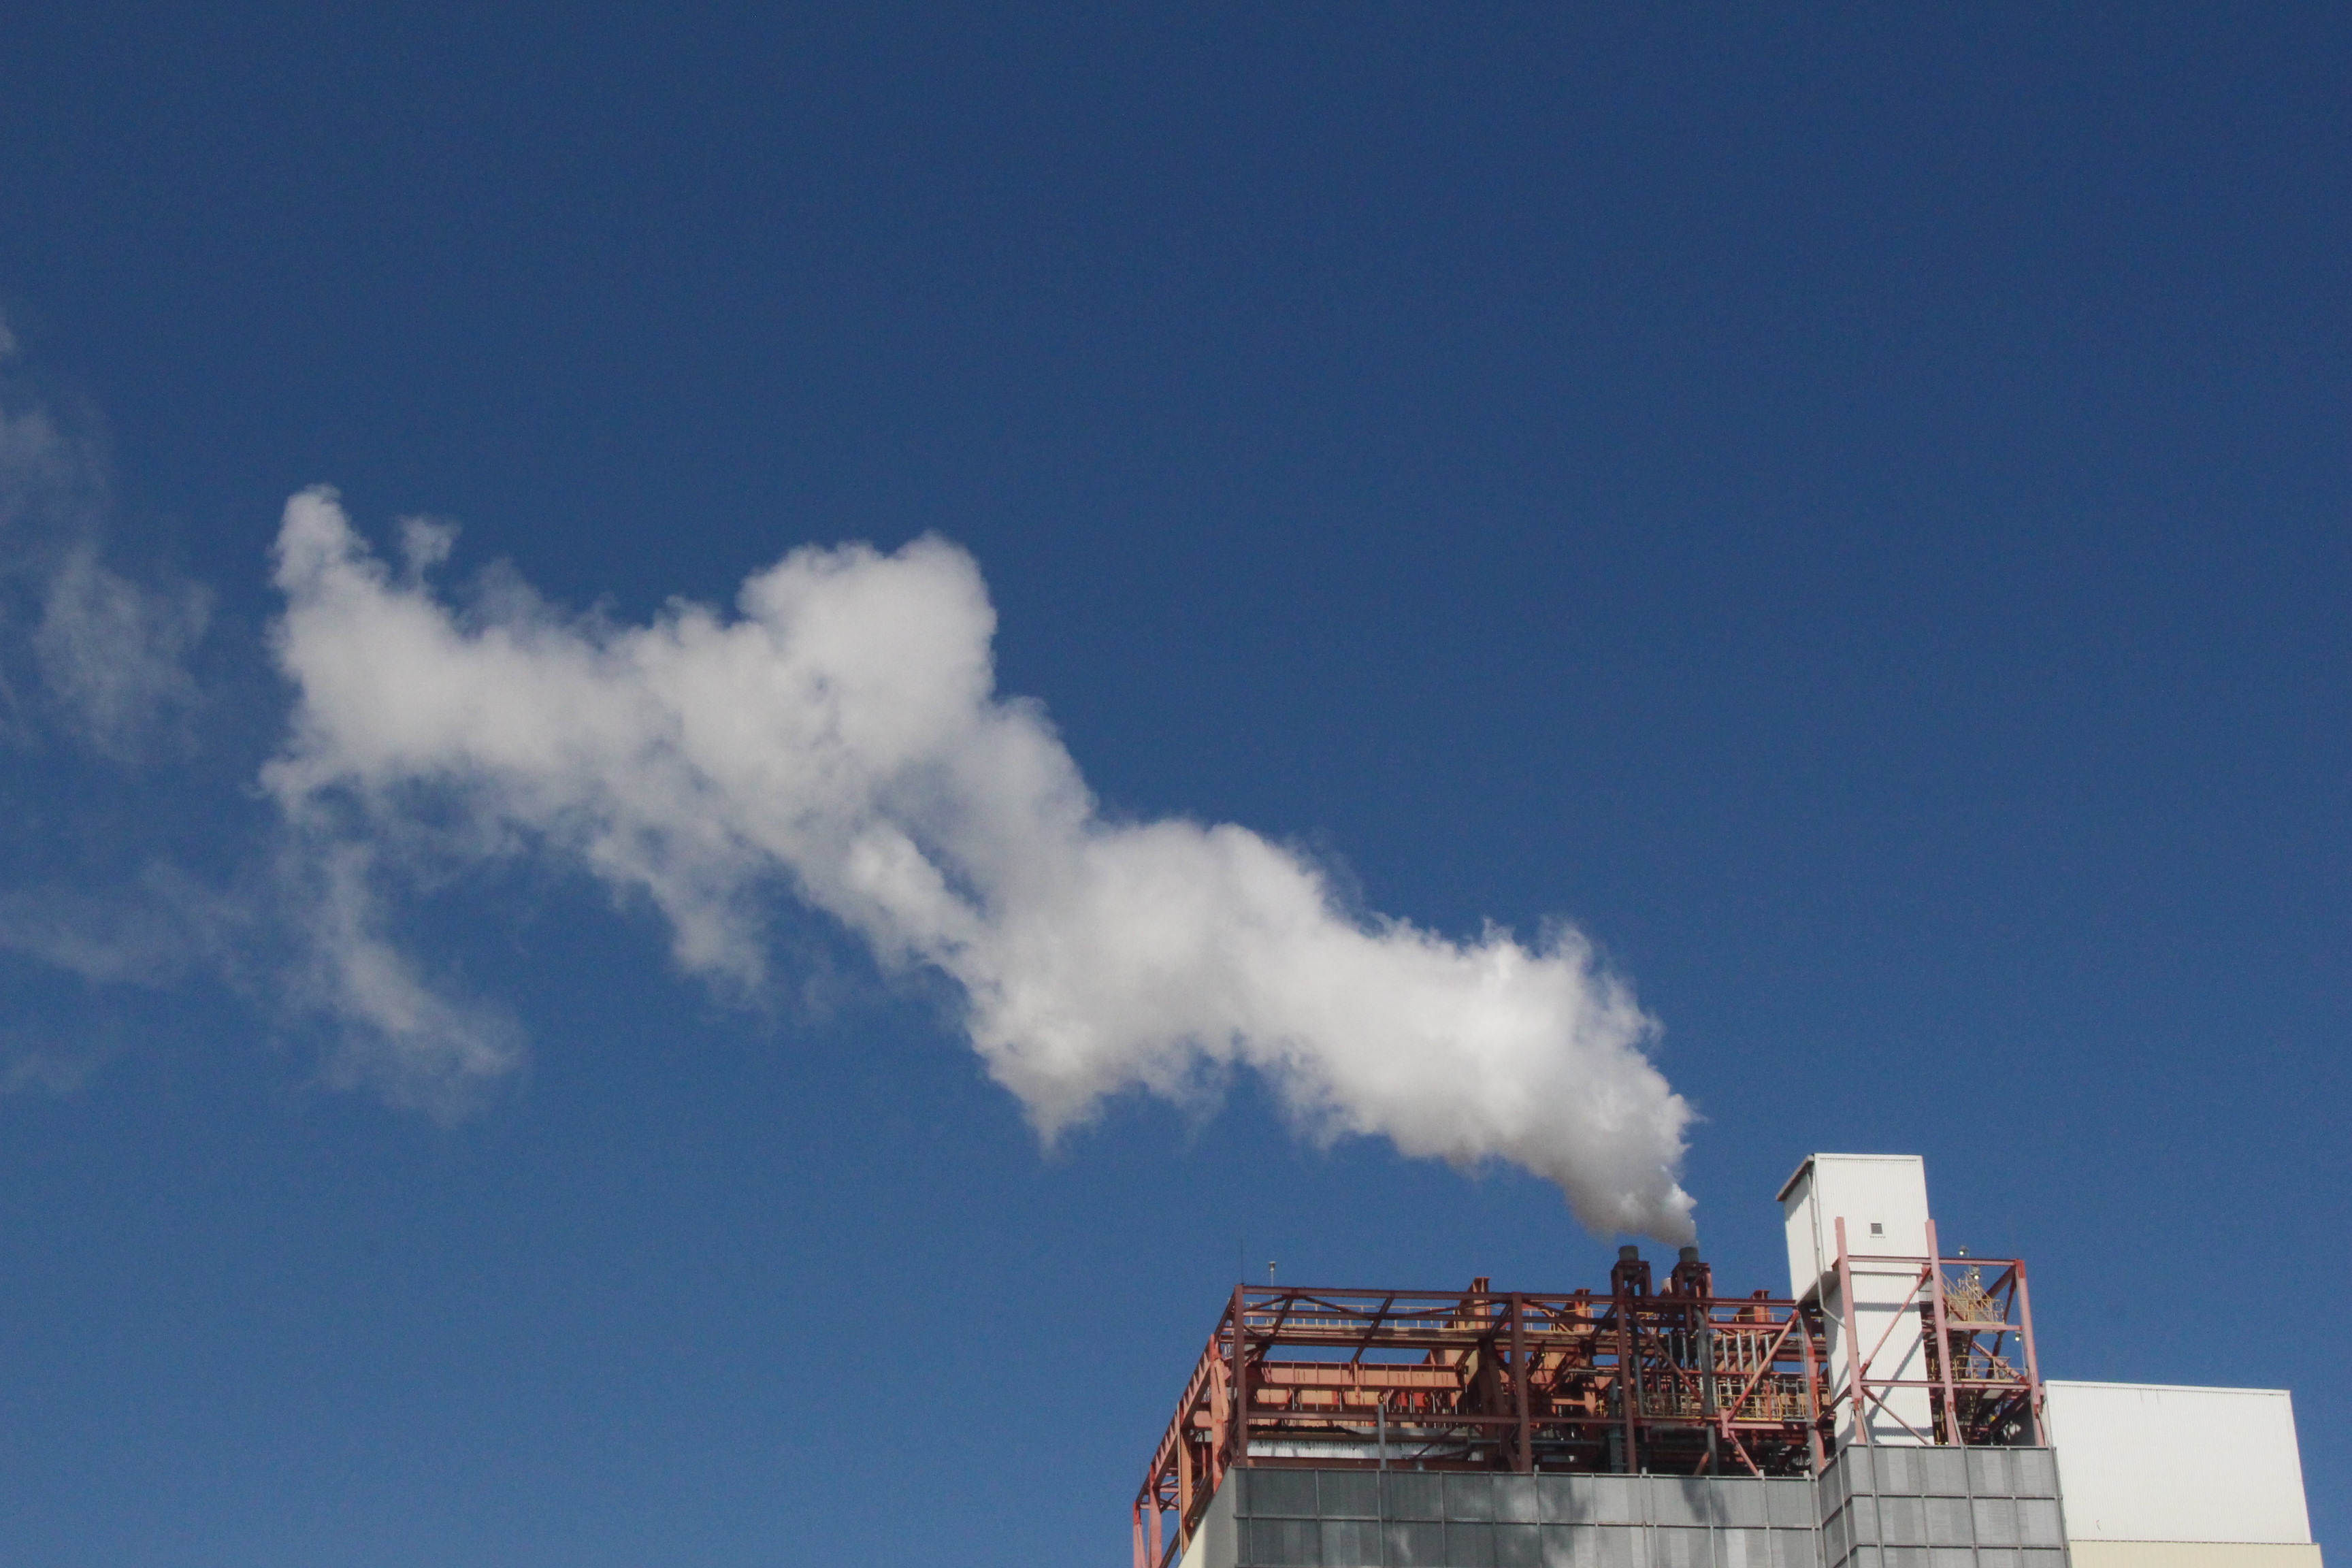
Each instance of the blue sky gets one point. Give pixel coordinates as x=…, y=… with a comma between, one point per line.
x=1845, y=511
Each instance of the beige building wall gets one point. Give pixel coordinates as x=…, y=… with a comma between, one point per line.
x=2149, y=1462
x=2191, y=1554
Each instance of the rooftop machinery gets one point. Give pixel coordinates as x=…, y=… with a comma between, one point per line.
x=1666, y=1378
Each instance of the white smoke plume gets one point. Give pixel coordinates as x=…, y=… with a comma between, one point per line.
x=839, y=737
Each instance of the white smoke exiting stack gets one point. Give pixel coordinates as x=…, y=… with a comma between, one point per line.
x=839, y=740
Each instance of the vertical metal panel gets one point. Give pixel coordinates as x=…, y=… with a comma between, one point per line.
x=1948, y=1523
x=1676, y=1500
x=1345, y=1494
x=1288, y=1494
x=1788, y=1504
x=1564, y=1499
x=1837, y=1537
x=1282, y=1543
x=1989, y=1470
x=2037, y=1523
x=1352, y=1544
x=1624, y=1546
x=1615, y=1498
x=1743, y=1549
x=1470, y=1496
x=1414, y=1496
x=1680, y=1546
x=1996, y=1522
x=1571, y=1546
x=1469, y=1544
x=1414, y=1544
x=1518, y=1546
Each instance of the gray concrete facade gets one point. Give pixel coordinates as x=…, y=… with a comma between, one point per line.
x=1970, y=1509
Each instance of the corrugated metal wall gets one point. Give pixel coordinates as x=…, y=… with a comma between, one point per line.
x=1890, y=1508
x=1356, y=1519
x=1942, y=1507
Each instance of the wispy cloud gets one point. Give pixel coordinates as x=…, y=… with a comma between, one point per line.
x=87, y=651
x=40, y=1065
x=411, y=1041
x=94, y=669
x=152, y=932
x=113, y=656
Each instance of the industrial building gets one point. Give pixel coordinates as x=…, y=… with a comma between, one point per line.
x=1888, y=1412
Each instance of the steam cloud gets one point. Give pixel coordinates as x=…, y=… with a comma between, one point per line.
x=840, y=737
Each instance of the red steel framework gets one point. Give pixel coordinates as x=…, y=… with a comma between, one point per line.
x=1675, y=1380
x=1982, y=1381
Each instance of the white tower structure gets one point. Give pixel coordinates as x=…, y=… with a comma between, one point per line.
x=1858, y=1228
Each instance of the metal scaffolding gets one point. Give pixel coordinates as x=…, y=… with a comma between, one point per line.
x=1672, y=1380
x=1983, y=1383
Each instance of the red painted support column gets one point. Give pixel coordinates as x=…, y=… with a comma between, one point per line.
x=1943, y=1340
x=2032, y=1366
x=1853, y=1368
x=1526, y=1459
x=1813, y=1390
x=1629, y=1380
x=1241, y=1385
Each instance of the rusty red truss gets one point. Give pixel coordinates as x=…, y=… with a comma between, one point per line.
x=1674, y=1380
x=1974, y=1321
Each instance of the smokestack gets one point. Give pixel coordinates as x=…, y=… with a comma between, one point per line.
x=1692, y=1277
x=1632, y=1276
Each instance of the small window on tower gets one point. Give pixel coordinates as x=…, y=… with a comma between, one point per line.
x=1876, y=1228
